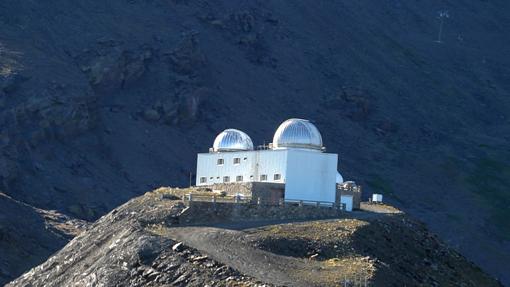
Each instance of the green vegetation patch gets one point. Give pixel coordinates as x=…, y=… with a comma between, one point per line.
x=490, y=180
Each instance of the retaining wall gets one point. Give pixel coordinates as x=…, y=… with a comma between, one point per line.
x=209, y=212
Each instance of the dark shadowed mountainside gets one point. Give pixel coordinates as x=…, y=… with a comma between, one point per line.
x=28, y=236
x=102, y=101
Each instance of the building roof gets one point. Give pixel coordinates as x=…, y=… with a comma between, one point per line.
x=297, y=133
x=232, y=140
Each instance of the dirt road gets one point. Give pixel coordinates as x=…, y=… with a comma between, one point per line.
x=231, y=248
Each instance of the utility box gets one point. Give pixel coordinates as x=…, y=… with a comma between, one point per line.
x=348, y=201
x=376, y=197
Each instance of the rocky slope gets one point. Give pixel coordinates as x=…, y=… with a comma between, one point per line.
x=28, y=236
x=143, y=243
x=100, y=102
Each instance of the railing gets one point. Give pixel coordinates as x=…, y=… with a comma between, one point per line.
x=246, y=199
x=215, y=198
x=310, y=202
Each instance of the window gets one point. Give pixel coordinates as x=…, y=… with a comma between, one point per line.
x=226, y=179
x=221, y=161
x=237, y=160
x=245, y=158
x=239, y=178
x=211, y=178
x=277, y=176
x=263, y=177
x=251, y=177
x=203, y=179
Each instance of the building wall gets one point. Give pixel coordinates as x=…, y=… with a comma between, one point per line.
x=311, y=175
x=307, y=174
x=252, y=165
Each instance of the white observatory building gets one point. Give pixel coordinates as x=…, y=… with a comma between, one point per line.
x=296, y=158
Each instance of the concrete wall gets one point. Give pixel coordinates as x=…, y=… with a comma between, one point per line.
x=311, y=175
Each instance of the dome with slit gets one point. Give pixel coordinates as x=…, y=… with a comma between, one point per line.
x=232, y=140
x=297, y=133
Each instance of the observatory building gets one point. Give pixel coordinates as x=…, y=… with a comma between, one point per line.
x=296, y=160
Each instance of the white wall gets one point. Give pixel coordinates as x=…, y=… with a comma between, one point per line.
x=259, y=162
x=348, y=201
x=307, y=174
x=311, y=175
x=271, y=162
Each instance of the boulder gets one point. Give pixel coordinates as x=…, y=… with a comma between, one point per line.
x=151, y=115
x=178, y=247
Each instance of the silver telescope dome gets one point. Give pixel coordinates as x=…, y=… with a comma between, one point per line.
x=232, y=140
x=297, y=133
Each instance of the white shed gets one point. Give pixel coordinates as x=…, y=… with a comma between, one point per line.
x=377, y=197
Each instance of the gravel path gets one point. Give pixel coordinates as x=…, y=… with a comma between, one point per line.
x=231, y=248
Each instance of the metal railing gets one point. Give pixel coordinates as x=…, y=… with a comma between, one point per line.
x=215, y=198
x=246, y=199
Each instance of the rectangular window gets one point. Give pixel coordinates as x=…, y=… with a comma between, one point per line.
x=226, y=179
x=239, y=178
x=237, y=160
x=220, y=161
x=263, y=177
x=277, y=176
x=203, y=179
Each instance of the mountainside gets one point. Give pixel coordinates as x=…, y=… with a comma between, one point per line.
x=145, y=243
x=102, y=101
x=28, y=236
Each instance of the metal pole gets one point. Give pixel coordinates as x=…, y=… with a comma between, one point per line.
x=440, y=30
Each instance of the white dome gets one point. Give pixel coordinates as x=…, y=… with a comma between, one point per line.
x=297, y=133
x=232, y=140
x=339, y=178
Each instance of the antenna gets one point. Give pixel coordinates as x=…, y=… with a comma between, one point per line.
x=441, y=15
